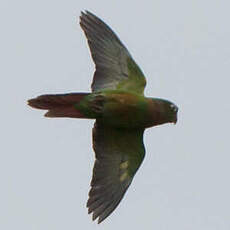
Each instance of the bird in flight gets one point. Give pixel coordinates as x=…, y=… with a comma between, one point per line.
x=121, y=111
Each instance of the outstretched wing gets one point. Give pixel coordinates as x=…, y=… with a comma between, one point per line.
x=115, y=68
x=119, y=154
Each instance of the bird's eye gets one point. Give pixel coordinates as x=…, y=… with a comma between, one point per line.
x=174, y=107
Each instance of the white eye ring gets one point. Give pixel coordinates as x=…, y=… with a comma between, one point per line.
x=174, y=107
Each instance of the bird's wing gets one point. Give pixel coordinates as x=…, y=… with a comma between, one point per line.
x=115, y=68
x=119, y=154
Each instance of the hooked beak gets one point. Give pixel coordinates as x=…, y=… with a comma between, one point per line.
x=175, y=119
x=174, y=122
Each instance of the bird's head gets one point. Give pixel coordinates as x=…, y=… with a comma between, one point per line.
x=164, y=111
x=172, y=110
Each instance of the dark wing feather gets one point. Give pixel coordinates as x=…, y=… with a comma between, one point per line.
x=115, y=68
x=119, y=154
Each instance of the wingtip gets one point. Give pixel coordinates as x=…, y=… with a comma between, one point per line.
x=99, y=220
x=94, y=216
x=88, y=14
x=83, y=17
x=85, y=12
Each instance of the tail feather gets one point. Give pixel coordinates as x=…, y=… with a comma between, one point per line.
x=59, y=105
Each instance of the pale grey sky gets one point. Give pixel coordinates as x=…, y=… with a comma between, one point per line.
x=46, y=164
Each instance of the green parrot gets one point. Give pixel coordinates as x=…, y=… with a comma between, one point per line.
x=121, y=111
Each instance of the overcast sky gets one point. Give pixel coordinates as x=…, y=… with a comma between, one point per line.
x=46, y=164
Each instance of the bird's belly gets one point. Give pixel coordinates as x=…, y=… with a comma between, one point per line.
x=125, y=111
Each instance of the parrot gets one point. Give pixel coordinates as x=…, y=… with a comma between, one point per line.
x=121, y=113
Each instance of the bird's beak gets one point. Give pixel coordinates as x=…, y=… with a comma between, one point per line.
x=175, y=120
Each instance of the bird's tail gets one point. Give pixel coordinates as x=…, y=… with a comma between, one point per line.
x=59, y=105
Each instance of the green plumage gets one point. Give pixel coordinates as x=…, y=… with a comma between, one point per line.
x=136, y=80
x=121, y=111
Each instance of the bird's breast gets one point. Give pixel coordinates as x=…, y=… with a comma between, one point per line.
x=125, y=110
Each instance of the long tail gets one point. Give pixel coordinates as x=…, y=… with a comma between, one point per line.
x=59, y=105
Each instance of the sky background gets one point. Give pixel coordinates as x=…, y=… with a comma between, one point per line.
x=46, y=164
